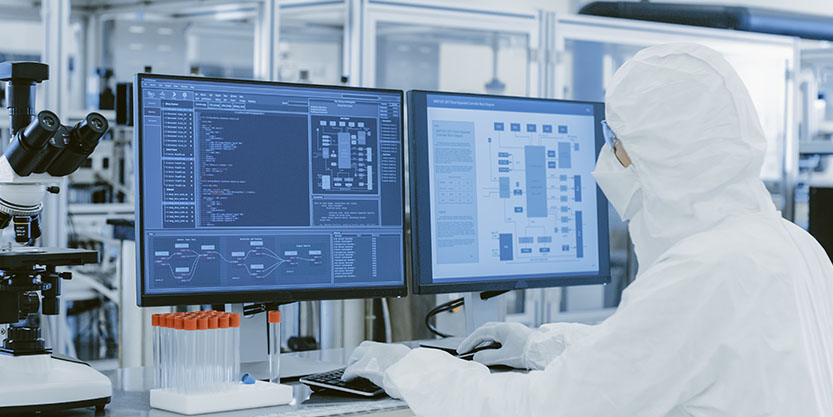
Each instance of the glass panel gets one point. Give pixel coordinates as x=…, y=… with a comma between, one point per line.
x=26, y=45
x=134, y=44
x=449, y=59
x=179, y=47
x=588, y=67
x=311, y=46
x=220, y=49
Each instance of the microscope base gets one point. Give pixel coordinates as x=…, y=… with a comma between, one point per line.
x=44, y=383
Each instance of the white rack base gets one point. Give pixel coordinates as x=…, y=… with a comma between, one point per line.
x=239, y=397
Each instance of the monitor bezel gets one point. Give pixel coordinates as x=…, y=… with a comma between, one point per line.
x=420, y=219
x=279, y=296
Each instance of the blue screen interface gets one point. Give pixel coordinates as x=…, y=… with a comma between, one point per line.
x=266, y=187
x=510, y=188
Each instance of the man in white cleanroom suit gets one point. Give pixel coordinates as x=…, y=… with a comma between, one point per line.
x=731, y=313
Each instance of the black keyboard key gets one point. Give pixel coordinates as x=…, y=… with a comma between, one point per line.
x=332, y=380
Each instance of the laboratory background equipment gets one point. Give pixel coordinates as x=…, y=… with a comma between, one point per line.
x=821, y=222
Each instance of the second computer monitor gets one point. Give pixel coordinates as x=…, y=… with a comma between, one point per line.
x=252, y=191
x=502, y=195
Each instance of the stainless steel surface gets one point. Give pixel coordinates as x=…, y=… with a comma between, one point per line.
x=131, y=393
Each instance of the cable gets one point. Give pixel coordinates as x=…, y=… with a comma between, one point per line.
x=442, y=308
x=386, y=319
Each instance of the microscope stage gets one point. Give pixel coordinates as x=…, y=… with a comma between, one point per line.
x=28, y=256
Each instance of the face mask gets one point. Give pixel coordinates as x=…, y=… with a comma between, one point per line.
x=619, y=184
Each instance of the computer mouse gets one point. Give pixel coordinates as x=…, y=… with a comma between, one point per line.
x=483, y=346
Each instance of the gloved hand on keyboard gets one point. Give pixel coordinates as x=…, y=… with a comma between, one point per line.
x=371, y=359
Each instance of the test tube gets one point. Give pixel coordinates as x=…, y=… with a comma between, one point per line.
x=213, y=350
x=165, y=323
x=179, y=353
x=235, y=346
x=202, y=355
x=171, y=350
x=274, y=319
x=223, y=325
x=157, y=369
x=191, y=360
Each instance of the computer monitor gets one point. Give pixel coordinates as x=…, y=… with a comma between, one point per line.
x=252, y=191
x=502, y=195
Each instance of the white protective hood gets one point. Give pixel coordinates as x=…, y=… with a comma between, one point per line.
x=732, y=310
x=693, y=169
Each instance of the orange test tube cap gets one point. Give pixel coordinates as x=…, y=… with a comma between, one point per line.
x=190, y=323
x=274, y=316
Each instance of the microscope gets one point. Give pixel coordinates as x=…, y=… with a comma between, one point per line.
x=40, y=152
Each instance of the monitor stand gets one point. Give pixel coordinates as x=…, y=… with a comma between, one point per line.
x=480, y=308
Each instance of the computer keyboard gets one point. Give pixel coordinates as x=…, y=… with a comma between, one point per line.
x=332, y=380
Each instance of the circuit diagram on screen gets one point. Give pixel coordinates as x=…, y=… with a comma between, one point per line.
x=531, y=177
x=344, y=155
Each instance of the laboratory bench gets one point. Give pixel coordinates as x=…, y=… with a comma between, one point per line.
x=131, y=392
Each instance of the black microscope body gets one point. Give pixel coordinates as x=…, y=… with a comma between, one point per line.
x=39, y=144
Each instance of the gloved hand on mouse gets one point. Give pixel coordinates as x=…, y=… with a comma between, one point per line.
x=513, y=338
x=522, y=347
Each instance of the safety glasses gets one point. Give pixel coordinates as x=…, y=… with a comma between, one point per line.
x=607, y=132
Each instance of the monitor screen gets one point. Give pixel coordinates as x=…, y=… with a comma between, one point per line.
x=502, y=193
x=258, y=191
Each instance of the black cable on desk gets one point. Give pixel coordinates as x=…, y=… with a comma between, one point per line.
x=448, y=306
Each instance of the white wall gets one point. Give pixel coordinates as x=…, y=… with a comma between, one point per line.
x=27, y=36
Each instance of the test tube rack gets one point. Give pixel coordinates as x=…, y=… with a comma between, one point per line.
x=197, y=366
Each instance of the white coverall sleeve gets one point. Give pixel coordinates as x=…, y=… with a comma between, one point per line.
x=550, y=340
x=639, y=362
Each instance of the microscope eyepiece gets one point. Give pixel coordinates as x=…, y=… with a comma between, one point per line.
x=41, y=129
x=26, y=147
x=80, y=143
x=85, y=135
